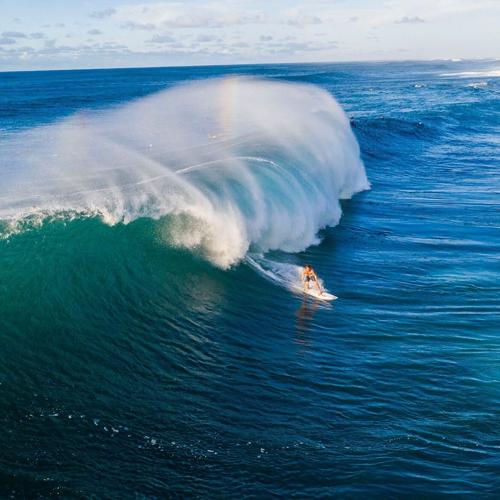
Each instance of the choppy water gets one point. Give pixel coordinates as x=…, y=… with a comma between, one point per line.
x=150, y=344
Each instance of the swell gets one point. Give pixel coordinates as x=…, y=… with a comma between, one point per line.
x=233, y=165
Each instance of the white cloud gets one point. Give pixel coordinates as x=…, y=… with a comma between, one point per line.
x=132, y=25
x=207, y=38
x=166, y=38
x=410, y=20
x=101, y=14
x=301, y=21
x=188, y=14
x=14, y=34
x=7, y=41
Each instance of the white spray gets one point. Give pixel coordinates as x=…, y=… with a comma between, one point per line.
x=227, y=164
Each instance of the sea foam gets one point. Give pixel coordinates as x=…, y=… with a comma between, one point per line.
x=226, y=165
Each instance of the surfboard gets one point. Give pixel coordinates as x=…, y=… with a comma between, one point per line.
x=323, y=296
x=314, y=293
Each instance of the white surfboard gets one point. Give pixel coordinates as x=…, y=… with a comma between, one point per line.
x=320, y=296
x=313, y=292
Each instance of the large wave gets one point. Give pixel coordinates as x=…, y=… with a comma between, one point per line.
x=230, y=164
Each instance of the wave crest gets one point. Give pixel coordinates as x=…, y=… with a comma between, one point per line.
x=235, y=163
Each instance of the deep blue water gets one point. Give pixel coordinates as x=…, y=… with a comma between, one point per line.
x=130, y=367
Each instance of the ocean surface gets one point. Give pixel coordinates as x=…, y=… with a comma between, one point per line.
x=152, y=227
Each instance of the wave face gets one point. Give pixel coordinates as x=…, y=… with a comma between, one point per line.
x=228, y=164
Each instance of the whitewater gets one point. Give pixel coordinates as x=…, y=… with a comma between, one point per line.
x=226, y=166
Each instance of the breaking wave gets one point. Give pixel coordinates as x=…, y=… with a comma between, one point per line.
x=226, y=166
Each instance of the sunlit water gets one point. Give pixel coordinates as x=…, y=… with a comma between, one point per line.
x=139, y=357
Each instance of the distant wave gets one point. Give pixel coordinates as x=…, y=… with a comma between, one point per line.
x=490, y=73
x=233, y=164
x=477, y=85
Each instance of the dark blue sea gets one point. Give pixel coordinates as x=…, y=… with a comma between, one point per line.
x=154, y=341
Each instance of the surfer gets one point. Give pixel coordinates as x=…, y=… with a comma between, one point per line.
x=309, y=275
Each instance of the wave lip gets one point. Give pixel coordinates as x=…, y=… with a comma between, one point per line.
x=233, y=164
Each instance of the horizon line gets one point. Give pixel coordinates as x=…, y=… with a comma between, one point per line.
x=355, y=61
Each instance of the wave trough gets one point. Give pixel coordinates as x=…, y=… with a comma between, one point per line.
x=228, y=165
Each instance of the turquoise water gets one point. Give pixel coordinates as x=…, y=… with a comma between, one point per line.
x=151, y=345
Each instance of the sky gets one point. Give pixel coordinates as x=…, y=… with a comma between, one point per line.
x=57, y=34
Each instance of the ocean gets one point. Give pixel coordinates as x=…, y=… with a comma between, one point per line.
x=153, y=224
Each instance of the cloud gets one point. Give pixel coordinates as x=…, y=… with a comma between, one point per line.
x=15, y=54
x=287, y=47
x=166, y=38
x=410, y=20
x=206, y=38
x=101, y=14
x=132, y=25
x=51, y=49
x=7, y=41
x=211, y=21
x=187, y=15
x=37, y=35
x=353, y=19
x=300, y=21
x=197, y=48
x=14, y=34
x=94, y=32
